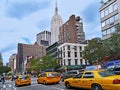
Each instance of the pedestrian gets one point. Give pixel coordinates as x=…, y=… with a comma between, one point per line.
x=3, y=79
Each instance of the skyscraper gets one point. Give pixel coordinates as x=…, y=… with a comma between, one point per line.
x=43, y=38
x=56, y=22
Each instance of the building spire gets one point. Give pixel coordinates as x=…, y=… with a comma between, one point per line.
x=56, y=8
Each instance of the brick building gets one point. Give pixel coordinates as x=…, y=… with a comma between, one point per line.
x=72, y=31
x=25, y=50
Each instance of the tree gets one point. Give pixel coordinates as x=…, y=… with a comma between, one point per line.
x=113, y=45
x=49, y=62
x=43, y=63
x=98, y=48
x=1, y=63
x=4, y=69
x=94, y=51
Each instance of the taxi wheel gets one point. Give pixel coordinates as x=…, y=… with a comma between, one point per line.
x=96, y=87
x=16, y=85
x=29, y=84
x=38, y=82
x=67, y=84
x=44, y=82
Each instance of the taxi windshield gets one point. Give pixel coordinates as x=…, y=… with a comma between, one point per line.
x=106, y=73
x=23, y=77
x=52, y=74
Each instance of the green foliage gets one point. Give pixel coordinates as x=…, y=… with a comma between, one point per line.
x=0, y=57
x=113, y=45
x=42, y=63
x=4, y=69
x=1, y=63
x=98, y=48
x=49, y=62
x=94, y=51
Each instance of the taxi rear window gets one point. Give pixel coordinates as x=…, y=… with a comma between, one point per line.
x=106, y=73
x=23, y=77
x=52, y=74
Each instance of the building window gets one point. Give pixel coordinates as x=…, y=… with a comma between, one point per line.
x=80, y=48
x=63, y=47
x=81, y=61
x=112, y=19
x=115, y=7
x=110, y=9
x=68, y=47
x=106, y=12
x=75, y=54
x=103, y=24
x=76, y=61
x=80, y=54
x=108, y=31
x=102, y=14
x=68, y=53
x=69, y=61
x=85, y=62
x=112, y=29
x=116, y=17
x=61, y=63
x=75, y=48
x=64, y=62
x=63, y=54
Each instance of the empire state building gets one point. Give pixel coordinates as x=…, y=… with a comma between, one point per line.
x=56, y=23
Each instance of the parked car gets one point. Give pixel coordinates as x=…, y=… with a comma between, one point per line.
x=48, y=78
x=69, y=74
x=114, y=68
x=22, y=80
x=95, y=80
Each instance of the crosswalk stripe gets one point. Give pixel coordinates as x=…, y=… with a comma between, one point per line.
x=4, y=86
x=10, y=85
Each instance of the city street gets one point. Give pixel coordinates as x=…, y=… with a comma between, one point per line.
x=9, y=85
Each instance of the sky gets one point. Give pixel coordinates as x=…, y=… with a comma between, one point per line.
x=22, y=20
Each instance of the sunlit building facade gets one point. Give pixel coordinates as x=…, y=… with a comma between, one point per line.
x=109, y=16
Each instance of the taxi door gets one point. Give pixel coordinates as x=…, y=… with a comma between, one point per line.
x=87, y=80
x=77, y=80
x=42, y=77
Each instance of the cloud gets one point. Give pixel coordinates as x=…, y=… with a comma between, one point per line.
x=91, y=12
x=21, y=20
x=8, y=48
x=27, y=40
x=20, y=10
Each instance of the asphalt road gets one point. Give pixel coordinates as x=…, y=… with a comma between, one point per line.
x=9, y=85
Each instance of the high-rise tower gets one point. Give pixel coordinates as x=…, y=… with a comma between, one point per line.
x=56, y=22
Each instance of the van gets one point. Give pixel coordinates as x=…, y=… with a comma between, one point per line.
x=114, y=68
x=69, y=74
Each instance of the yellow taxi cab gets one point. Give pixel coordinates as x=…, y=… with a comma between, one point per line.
x=23, y=80
x=48, y=78
x=94, y=80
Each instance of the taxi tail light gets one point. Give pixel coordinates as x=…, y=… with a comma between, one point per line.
x=18, y=80
x=48, y=77
x=116, y=81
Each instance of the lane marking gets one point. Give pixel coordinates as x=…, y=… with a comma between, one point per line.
x=58, y=88
x=4, y=86
x=14, y=88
